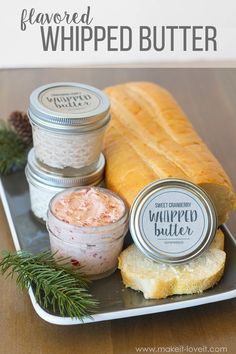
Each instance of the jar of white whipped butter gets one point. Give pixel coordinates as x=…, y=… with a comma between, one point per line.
x=88, y=225
x=68, y=122
x=43, y=185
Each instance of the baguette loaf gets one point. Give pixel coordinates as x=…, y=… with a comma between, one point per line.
x=151, y=138
x=158, y=280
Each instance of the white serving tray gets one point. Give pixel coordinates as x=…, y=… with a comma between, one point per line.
x=115, y=300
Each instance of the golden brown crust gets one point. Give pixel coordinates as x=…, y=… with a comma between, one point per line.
x=151, y=138
x=219, y=240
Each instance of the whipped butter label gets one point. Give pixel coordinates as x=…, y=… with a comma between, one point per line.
x=173, y=221
x=69, y=99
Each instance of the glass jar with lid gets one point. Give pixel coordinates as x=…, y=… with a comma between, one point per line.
x=68, y=122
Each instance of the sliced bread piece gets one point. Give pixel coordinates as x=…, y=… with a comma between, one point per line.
x=159, y=280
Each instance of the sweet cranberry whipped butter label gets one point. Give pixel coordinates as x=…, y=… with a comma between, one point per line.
x=72, y=99
x=172, y=221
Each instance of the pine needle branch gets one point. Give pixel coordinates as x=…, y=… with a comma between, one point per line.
x=57, y=286
x=13, y=152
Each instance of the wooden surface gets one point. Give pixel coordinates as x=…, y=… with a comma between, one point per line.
x=208, y=96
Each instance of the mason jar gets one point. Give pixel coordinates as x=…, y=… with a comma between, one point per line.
x=79, y=228
x=43, y=185
x=68, y=123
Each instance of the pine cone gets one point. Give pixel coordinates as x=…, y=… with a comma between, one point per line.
x=20, y=122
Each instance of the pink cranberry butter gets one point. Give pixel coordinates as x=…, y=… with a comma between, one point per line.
x=88, y=225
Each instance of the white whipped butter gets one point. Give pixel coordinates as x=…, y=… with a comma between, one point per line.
x=88, y=225
x=68, y=121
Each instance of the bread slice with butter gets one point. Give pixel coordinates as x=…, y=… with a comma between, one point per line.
x=159, y=280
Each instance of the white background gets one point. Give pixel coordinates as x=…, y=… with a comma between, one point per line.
x=24, y=49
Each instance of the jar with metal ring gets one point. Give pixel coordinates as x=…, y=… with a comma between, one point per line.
x=43, y=185
x=68, y=122
x=172, y=221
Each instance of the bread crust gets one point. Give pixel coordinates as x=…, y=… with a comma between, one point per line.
x=150, y=138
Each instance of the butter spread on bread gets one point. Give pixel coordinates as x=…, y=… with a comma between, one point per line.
x=159, y=280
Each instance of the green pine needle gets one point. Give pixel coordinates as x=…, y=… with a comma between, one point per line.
x=57, y=286
x=13, y=152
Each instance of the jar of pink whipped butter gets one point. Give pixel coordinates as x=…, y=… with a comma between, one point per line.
x=88, y=224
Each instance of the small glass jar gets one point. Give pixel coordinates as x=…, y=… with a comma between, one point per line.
x=68, y=123
x=43, y=185
x=94, y=248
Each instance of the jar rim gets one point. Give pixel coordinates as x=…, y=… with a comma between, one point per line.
x=69, y=129
x=124, y=216
x=68, y=118
x=41, y=175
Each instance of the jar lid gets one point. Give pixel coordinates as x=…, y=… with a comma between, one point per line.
x=69, y=106
x=172, y=221
x=41, y=176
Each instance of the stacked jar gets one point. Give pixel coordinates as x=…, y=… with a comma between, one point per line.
x=86, y=223
x=68, y=123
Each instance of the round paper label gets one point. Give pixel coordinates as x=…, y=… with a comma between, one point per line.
x=69, y=99
x=173, y=221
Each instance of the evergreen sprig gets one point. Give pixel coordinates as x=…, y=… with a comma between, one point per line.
x=13, y=151
x=57, y=286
